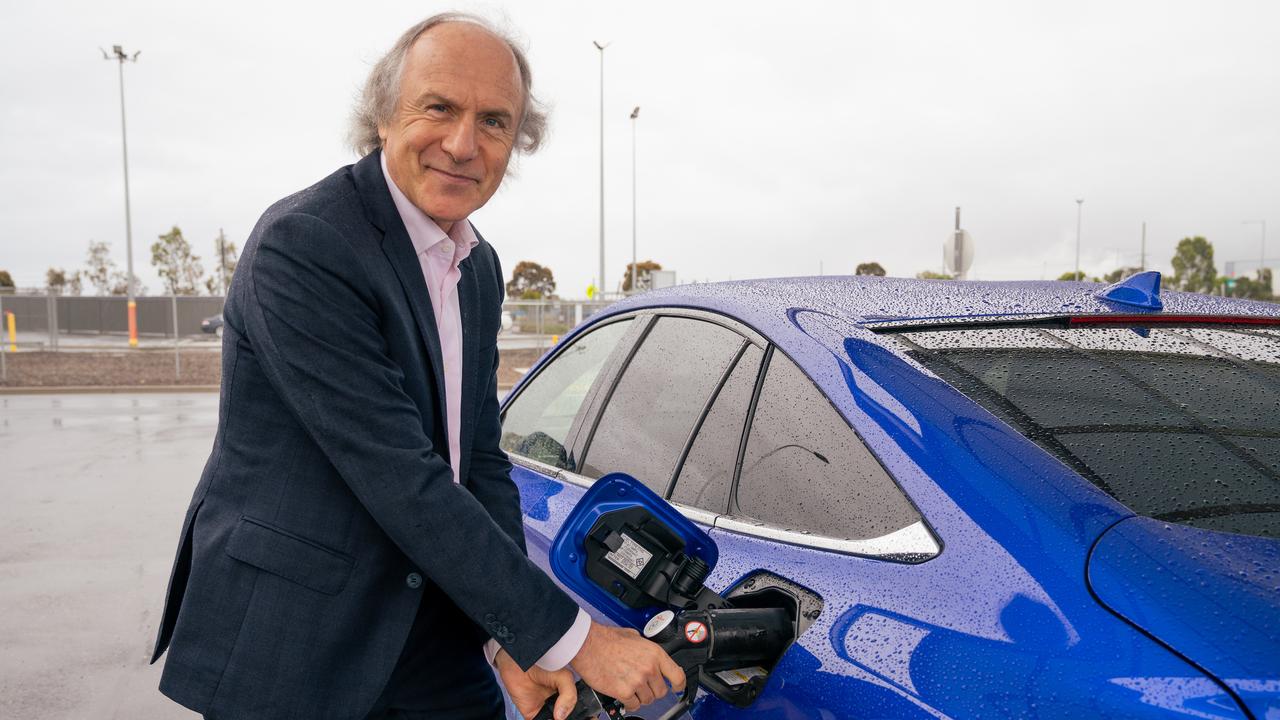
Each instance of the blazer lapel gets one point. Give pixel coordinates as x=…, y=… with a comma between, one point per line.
x=399, y=251
x=467, y=299
x=398, y=248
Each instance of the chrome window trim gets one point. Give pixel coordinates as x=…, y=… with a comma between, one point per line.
x=911, y=544
x=698, y=515
x=535, y=465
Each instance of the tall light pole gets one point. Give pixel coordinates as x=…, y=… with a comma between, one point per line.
x=600, y=277
x=119, y=55
x=1079, y=211
x=634, y=114
x=1262, y=253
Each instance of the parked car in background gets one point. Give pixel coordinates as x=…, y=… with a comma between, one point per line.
x=212, y=325
x=1026, y=499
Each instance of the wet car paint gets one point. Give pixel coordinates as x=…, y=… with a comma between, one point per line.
x=1002, y=622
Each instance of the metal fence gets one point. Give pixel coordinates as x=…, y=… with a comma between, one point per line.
x=42, y=319
x=108, y=315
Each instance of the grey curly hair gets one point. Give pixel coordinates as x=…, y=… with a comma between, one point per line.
x=377, y=102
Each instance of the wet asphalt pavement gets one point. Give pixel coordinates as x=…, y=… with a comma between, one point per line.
x=92, y=494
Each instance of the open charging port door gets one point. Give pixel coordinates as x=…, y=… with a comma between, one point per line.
x=636, y=559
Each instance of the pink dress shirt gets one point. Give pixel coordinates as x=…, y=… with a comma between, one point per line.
x=439, y=254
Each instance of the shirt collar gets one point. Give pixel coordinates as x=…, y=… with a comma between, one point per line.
x=424, y=233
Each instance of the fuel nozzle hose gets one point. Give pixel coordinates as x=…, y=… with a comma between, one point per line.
x=700, y=642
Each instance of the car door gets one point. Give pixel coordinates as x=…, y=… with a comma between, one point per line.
x=693, y=405
x=615, y=401
x=798, y=494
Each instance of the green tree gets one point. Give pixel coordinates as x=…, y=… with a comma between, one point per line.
x=869, y=268
x=1193, y=269
x=6, y=280
x=931, y=275
x=1072, y=275
x=531, y=281
x=1119, y=274
x=644, y=270
x=55, y=279
x=177, y=265
x=1258, y=288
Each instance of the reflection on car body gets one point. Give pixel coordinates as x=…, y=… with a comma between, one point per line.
x=1010, y=506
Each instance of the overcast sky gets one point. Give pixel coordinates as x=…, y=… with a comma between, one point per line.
x=787, y=141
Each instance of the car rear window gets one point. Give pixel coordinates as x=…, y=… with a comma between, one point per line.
x=1179, y=424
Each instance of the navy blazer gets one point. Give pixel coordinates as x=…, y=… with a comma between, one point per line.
x=327, y=516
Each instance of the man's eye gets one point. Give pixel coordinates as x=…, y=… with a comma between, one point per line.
x=438, y=107
x=494, y=123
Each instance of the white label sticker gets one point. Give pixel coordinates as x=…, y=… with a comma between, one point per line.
x=740, y=676
x=630, y=557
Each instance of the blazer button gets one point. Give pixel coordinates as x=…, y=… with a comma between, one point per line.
x=414, y=581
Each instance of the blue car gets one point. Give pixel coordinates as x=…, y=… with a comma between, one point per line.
x=1013, y=499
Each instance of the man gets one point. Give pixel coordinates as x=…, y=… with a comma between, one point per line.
x=355, y=538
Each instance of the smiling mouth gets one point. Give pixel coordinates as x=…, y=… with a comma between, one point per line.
x=453, y=177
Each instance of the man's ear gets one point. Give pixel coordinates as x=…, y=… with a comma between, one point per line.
x=382, y=134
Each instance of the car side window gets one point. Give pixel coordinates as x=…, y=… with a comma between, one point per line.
x=805, y=469
x=707, y=474
x=648, y=419
x=536, y=424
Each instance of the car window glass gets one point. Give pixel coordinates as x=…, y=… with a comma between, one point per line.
x=648, y=419
x=805, y=469
x=1179, y=424
x=537, y=422
x=707, y=474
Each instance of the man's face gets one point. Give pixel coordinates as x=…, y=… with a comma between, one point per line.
x=448, y=144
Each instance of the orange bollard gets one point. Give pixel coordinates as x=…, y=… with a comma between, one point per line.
x=133, y=324
x=13, y=332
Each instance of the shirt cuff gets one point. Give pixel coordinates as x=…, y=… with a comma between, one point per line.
x=570, y=643
x=565, y=649
x=491, y=649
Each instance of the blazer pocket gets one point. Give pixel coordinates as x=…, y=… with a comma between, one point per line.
x=290, y=556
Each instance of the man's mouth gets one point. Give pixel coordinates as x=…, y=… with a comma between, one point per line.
x=453, y=177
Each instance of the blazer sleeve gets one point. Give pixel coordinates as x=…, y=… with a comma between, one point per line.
x=489, y=476
x=313, y=321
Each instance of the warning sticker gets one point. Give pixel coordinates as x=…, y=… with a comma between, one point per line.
x=695, y=632
x=740, y=676
x=630, y=557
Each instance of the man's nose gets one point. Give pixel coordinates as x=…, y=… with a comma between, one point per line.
x=460, y=143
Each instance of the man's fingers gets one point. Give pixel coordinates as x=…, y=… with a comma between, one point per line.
x=657, y=687
x=644, y=693
x=672, y=672
x=568, y=694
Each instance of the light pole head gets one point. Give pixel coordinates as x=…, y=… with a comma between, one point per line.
x=599, y=46
x=1079, y=201
x=635, y=113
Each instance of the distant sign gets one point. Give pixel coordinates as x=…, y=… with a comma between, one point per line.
x=957, y=253
x=661, y=279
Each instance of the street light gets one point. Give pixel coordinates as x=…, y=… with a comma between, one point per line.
x=634, y=114
x=119, y=55
x=1079, y=211
x=600, y=277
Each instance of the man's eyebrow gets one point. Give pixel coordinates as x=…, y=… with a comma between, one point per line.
x=431, y=98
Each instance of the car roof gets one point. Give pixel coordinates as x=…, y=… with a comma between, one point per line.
x=860, y=299
x=771, y=307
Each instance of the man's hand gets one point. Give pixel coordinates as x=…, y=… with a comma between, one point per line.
x=529, y=690
x=619, y=663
